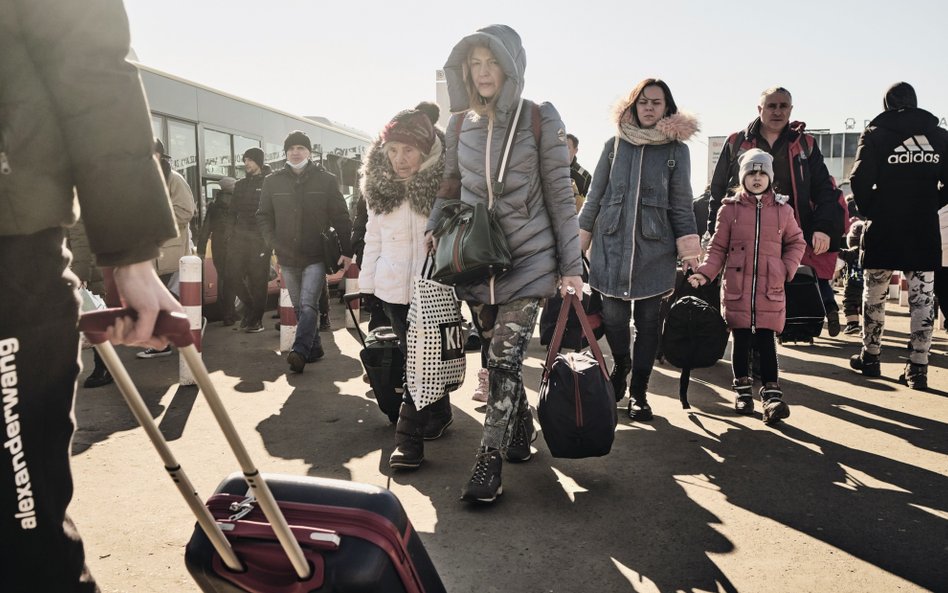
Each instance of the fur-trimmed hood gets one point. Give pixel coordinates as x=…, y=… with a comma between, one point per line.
x=679, y=126
x=384, y=192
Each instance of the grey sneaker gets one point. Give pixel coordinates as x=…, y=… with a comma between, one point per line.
x=523, y=434
x=254, y=328
x=484, y=485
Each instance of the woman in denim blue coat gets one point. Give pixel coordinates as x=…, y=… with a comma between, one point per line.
x=637, y=221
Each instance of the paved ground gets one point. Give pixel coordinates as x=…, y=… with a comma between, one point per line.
x=851, y=494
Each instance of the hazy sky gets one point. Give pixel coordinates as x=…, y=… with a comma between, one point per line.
x=359, y=62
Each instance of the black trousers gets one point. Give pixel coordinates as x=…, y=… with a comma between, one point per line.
x=246, y=277
x=39, y=362
x=763, y=342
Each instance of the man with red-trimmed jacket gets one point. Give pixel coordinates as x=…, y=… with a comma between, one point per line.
x=799, y=172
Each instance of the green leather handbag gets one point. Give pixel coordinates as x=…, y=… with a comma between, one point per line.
x=471, y=245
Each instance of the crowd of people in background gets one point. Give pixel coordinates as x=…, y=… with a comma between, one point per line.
x=772, y=206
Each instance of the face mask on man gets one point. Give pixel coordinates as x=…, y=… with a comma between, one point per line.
x=299, y=165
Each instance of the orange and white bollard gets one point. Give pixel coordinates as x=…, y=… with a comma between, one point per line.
x=287, y=319
x=191, y=287
x=352, y=285
x=903, y=291
x=894, y=286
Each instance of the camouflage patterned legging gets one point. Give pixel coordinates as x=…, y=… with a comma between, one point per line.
x=921, y=308
x=508, y=328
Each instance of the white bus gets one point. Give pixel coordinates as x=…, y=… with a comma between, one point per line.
x=206, y=131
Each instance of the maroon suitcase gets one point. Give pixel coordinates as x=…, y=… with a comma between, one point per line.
x=305, y=535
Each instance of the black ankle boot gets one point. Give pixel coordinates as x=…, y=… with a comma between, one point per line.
x=620, y=371
x=638, y=402
x=100, y=376
x=409, y=438
x=439, y=418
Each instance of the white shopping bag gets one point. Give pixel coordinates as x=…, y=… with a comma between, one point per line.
x=435, y=363
x=943, y=223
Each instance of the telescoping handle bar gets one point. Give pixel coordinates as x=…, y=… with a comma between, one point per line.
x=176, y=328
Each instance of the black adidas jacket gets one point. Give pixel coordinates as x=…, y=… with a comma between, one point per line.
x=901, y=160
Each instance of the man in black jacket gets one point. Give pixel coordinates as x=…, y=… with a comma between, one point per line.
x=248, y=266
x=799, y=172
x=297, y=205
x=898, y=182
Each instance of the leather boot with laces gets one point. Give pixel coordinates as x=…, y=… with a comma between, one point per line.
x=409, y=439
x=523, y=434
x=484, y=485
x=775, y=409
x=482, y=391
x=744, y=403
x=620, y=371
x=638, y=403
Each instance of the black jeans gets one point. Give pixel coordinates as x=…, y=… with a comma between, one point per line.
x=247, y=275
x=763, y=342
x=39, y=363
x=646, y=314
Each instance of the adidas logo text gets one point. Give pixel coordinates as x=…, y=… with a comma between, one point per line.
x=914, y=149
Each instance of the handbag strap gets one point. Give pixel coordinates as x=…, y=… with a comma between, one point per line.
x=497, y=187
x=427, y=268
x=572, y=301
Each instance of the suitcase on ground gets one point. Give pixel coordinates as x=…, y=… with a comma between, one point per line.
x=357, y=537
x=383, y=362
x=805, y=311
x=303, y=535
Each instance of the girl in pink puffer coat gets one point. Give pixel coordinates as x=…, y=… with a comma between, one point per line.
x=758, y=244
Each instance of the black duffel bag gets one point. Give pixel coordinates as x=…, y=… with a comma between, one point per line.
x=577, y=409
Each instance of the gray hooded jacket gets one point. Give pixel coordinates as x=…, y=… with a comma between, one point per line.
x=537, y=211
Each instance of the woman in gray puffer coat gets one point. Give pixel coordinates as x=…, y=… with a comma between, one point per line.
x=638, y=218
x=537, y=213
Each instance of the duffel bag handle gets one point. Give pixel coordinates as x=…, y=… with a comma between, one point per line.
x=572, y=301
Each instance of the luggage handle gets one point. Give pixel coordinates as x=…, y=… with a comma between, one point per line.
x=348, y=298
x=572, y=301
x=176, y=328
x=313, y=537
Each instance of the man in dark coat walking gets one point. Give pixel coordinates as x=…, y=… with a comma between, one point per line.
x=898, y=182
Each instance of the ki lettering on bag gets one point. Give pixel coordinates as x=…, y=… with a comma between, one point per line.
x=452, y=341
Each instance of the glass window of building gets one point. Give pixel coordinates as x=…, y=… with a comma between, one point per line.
x=274, y=155
x=182, y=146
x=156, y=127
x=838, y=145
x=852, y=141
x=218, y=157
x=241, y=144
